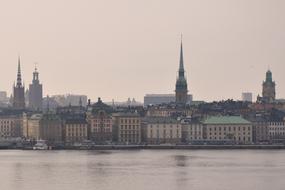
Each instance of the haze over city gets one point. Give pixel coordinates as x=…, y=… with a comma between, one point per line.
x=121, y=49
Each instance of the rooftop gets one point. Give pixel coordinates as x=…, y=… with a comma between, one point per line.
x=226, y=120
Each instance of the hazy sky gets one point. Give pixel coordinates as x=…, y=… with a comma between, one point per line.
x=128, y=48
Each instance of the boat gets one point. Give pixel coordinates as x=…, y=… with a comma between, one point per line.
x=40, y=145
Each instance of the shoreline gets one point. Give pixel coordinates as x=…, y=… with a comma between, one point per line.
x=161, y=147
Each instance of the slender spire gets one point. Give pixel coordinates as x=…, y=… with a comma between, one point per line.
x=181, y=62
x=19, y=77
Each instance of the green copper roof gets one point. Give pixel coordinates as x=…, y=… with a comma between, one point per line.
x=268, y=76
x=226, y=120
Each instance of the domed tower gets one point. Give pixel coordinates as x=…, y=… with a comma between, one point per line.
x=268, y=88
x=181, y=89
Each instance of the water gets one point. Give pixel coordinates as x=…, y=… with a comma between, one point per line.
x=143, y=170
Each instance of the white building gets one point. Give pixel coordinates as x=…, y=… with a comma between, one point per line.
x=160, y=130
x=276, y=130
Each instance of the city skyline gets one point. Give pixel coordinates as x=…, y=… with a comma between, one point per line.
x=99, y=61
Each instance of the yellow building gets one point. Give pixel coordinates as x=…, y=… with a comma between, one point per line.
x=75, y=130
x=43, y=126
x=127, y=128
x=31, y=126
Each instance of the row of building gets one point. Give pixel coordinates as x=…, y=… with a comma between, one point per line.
x=102, y=124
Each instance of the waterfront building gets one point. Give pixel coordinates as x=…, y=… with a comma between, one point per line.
x=31, y=126
x=276, y=131
x=99, y=117
x=43, y=127
x=181, y=88
x=51, y=128
x=246, y=97
x=19, y=90
x=11, y=124
x=234, y=129
x=35, y=93
x=127, y=128
x=161, y=130
x=75, y=129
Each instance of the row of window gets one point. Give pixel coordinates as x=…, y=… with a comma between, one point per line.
x=277, y=129
x=228, y=134
x=5, y=127
x=129, y=132
x=76, y=134
x=76, y=125
x=277, y=123
x=101, y=125
x=239, y=138
x=157, y=126
x=101, y=130
x=129, y=120
x=279, y=133
x=76, y=129
x=6, y=122
x=229, y=128
x=129, y=127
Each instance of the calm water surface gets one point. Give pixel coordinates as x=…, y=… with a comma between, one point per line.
x=143, y=170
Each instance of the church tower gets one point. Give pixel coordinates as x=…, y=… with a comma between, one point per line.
x=19, y=90
x=181, y=83
x=35, y=92
x=268, y=88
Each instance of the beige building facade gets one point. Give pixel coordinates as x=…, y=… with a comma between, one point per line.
x=228, y=128
x=75, y=131
x=276, y=130
x=161, y=130
x=127, y=128
x=43, y=127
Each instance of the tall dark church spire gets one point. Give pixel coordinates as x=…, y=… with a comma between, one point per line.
x=19, y=77
x=181, y=83
x=181, y=62
x=19, y=90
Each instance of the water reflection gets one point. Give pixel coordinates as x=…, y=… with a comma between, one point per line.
x=181, y=160
x=140, y=170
